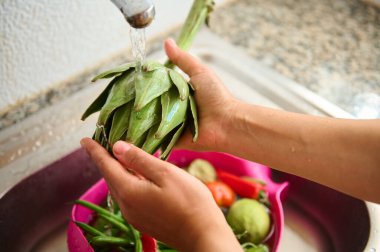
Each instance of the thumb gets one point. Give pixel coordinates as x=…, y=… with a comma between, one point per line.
x=138, y=160
x=187, y=63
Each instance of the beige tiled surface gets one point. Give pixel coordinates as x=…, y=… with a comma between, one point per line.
x=331, y=47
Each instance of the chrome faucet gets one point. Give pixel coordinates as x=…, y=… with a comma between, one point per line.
x=138, y=13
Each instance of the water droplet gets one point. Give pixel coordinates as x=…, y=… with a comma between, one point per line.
x=50, y=133
x=19, y=152
x=372, y=250
x=37, y=143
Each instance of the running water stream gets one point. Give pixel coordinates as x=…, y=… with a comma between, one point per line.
x=138, y=41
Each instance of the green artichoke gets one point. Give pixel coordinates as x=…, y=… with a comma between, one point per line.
x=149, y=109
x=152, y=107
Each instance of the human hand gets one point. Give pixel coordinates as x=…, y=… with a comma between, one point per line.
x=215, y=103
x=168, y=203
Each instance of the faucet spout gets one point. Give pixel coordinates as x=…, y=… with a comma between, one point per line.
x=138, y=13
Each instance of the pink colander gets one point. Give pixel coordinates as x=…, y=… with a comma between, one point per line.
x=182, y=158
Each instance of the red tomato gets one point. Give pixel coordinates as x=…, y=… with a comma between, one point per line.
x=222, y=193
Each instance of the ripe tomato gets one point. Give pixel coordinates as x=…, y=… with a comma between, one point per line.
x=222, y=193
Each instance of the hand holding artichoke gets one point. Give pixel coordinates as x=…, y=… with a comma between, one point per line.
x=149, y=108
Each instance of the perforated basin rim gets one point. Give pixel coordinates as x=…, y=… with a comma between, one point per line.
x=182, y=158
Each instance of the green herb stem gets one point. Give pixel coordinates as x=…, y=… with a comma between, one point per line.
x=89, y=229
x=120, y=225
x=98, y=209
x=111, y=240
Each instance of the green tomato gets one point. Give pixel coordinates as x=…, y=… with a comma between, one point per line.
x=258, y=248
x=249, y=220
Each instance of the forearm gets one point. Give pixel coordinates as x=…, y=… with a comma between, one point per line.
x=342, y=154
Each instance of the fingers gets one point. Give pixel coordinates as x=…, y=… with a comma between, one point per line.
x=138, y=160
x=190, y=65
x=113, y=172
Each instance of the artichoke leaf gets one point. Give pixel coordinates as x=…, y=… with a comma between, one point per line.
x=180, y=83
x=152, y=144
x=167, y=139
x=150, y=85
x=115, y=72
x=194, y=114
x=151, y=66
x=173, y=112
x=120, y=122
x=121, y=93
x=141, y=121
x=172, y=142
x=140, y=141
x=99, y=102
x=98, y=135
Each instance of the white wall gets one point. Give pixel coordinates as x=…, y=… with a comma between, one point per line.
x=44, y=42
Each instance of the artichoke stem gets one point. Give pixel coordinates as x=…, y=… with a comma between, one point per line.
x=195, y=19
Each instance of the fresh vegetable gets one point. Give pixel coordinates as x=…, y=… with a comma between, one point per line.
x=127, y=235
x=249, y=220
x=110, y=240
x=263, y=196
x=254, y=180
x=250, y=247
x=162, y=247
x=98, y=209
x=203, y=170
x=223, y=195
x=248, y=217
x=89, y=229
x=149, y=108
x=244, y=188
x=118, y=224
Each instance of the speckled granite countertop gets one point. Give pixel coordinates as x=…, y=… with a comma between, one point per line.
x=331, y=47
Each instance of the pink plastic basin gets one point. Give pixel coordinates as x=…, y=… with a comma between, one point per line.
x=182, y=158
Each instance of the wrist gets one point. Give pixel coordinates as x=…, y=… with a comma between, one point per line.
x=218, y=242
x=218, y=237
x=229, y=122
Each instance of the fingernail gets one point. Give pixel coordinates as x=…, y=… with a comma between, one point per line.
x=120, y=147
x=171, y=42
x=82, y=143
